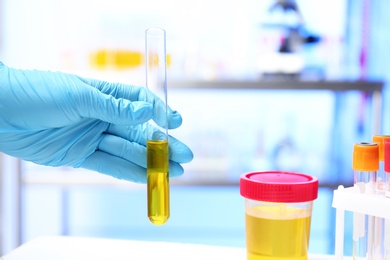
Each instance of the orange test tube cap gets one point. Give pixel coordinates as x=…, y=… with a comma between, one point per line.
x=387, y=156
x=365, y=157
x=380, y=140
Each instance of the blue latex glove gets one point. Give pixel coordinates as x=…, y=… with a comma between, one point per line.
x=55, y=119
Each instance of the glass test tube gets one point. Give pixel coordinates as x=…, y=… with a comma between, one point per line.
x=365, y=165
x=157, y=143
x=381, y=182
x=381, y=187
x=386, y=155
x=386, y=229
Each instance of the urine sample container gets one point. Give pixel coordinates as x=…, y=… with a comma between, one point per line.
x=278, y=207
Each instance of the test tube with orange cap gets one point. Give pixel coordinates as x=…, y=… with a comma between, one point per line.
x=386, y=154
x=386, y=229
x=381, y=187
x=381, y=183
x=365, y=165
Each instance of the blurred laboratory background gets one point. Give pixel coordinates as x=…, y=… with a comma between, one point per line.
x=261, y=85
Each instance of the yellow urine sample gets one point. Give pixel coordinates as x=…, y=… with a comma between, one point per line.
x=278, y=238
x=158, y=181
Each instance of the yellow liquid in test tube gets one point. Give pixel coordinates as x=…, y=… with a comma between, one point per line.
x=158, y=181
x=266, y=234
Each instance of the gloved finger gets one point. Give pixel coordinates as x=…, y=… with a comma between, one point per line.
x=135, y=133
x=94, y=104
x=163, y=115
x=137, y=93
x=174, y=119
x=178, y=151
x=133, y=152
x=122, y=169
x=123, y=148
x=115, y=166
x=175, y=169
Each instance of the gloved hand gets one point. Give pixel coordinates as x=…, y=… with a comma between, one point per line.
x=55, y=119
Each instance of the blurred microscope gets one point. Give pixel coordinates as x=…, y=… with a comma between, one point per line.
x=287, y=61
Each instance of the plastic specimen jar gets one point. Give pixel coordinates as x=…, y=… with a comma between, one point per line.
x=278, y=208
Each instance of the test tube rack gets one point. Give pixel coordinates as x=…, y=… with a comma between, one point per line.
x=350, y=199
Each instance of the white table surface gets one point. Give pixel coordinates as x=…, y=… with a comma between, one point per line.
x=80, y=248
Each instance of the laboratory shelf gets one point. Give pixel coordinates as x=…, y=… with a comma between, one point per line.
x=340, y=88
x=332, y=85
